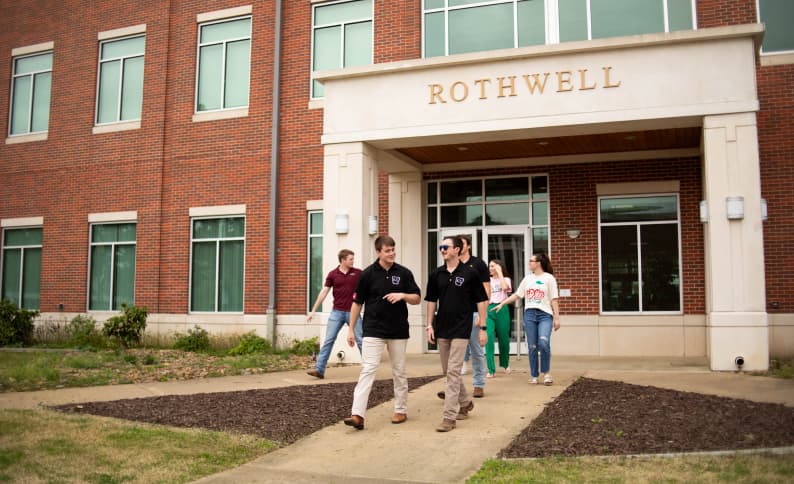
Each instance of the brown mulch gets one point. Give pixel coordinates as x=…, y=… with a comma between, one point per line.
x=280, y=414
x=598, y=417
x=591, y=417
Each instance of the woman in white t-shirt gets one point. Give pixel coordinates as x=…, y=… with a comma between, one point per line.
x=498, y=325
x=541, y=313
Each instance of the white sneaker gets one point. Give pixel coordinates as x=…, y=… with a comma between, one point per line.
x=533, y=380
x=508, y=371
x=463, y=369
x=548, y=380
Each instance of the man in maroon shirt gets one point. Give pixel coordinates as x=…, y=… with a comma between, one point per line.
x=343, y=280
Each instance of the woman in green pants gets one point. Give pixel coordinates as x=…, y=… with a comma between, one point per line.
x=498, y=321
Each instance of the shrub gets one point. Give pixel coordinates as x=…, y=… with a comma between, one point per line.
x=16, y=324
x=127, y=327
x=251, y=343
x=82, y=332
x=196, y=339
x=305, y=347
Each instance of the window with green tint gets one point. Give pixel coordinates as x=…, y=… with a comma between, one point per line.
x=315, y=257
x=679, y=15
x=428, y=4
x=217, y=264
x=540, y=240
x=637, y=209
x=461, y=191
x=540, y=188
x=432, y=217
x=21, y=263
x=777, y=16
x=481, y=28
x=573, y=20
x=531, y=23
x=341, y=37
x=432, y=196
x=461, y=215
x=31, y=86
x=112, y=266
x=120, y=91
x=224, y=65
x=613, y=18
x=540, y=213
x=499, y=189
x=507, y=214
x=640, y=254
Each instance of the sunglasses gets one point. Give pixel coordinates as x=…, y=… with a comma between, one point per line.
x=443, y=247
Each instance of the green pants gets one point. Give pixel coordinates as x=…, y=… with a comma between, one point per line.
x=499, y=326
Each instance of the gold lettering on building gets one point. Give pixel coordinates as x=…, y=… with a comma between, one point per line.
x=481, y=83
x=608, y=84
x=564, y=79
x=511, y=86
x=435, y=93
x=535, y=82
x=454, y=88
x=583, y=81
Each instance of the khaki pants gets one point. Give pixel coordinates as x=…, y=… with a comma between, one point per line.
x=371, y=352
x=452, y=352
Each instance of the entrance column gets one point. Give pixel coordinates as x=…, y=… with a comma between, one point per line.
x=406, y=226
x=350, y=181
x=734, y=250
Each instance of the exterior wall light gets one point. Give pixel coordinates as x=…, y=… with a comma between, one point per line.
x=573, y=233
x=764, y=213
x=734, y=208
x=342, y=223
x=372, y=222
x=704, y=211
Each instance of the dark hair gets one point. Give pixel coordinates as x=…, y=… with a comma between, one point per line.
x=545, y=262
x=465, y=237
x=384, y=240
x=344, y=253
x=505, y=272
x=457, y=242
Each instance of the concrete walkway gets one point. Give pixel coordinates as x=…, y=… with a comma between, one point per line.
x=414, y=451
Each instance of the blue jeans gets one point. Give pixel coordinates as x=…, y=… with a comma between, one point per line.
x=477, y=355
x=336, y=321
x=537, y=327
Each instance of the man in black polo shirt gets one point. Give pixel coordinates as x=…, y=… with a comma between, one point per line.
x=454, y=288
x=385, y=288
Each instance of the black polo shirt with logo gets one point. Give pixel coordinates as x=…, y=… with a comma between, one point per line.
x=479, y=266
x=383, y=319
x=455, y=294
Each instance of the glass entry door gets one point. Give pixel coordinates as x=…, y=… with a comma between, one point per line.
x=511, y=246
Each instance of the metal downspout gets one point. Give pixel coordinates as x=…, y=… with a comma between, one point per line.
x=274, y=160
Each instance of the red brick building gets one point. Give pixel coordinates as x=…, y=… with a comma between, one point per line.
x=142, y=163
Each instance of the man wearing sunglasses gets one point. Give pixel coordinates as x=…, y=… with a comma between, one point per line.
x=452, y=290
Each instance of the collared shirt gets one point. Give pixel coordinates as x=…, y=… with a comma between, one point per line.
x=344, y=286
x=456, y=293
x=383, y=319
x=481, y=268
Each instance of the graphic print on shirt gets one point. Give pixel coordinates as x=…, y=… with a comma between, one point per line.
x=536, y=294
x=395, y=280
x=459, y=281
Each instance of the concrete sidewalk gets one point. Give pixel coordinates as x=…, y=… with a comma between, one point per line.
x=414, y=451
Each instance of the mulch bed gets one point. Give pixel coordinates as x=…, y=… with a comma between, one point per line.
x=591, y=417
x=280, y=414
x=598, y=417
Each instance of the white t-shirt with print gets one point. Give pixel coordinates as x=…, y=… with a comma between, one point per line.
x=538, y=291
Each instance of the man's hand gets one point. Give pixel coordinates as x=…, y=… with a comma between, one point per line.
x=351, y=337
x=393, y=297
x=309, y=317
x=482, y=337
x=431, y=335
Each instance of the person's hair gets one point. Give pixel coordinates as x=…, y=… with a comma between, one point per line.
x=384, y=241
x=467, y=238
x=344, y=253
x=545, y=262
x=501, y=264
x=456, y=242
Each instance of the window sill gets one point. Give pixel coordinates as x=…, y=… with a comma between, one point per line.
x=114, y=127
x=218, y=115
x=26, y=138
x=317, y=103
x=777, y=59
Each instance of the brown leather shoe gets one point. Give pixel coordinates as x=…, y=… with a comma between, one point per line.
x=355, y=421
x=479, y=392
x=315, y=374
x=446, y=425
x=441, y=395
x=463, y=412
x=399, y=418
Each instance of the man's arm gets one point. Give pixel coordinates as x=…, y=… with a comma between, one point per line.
x=355, y=311
x=320, y=299
x=431, y=311
x=482, y=307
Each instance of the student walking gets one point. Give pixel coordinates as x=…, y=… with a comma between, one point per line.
x=498, y=321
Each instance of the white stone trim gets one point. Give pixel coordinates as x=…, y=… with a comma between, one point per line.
x=32, y=49
x=130, y=216
x=122, y=32
x=26, y=138
x=671, y=186
x=22, y=222
x=314, y=204
x=225, y=13
x=115, y=127
x=777, y=59
x=218, y=210
x=317, y=104
x=221, y=114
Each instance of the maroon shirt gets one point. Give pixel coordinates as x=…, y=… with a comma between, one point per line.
x=344, y=286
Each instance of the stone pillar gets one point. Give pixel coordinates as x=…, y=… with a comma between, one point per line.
x=734, y=251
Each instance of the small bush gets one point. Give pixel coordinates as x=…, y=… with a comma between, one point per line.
x=83, y=333
x=16, y=324
x=127, y=327
x=251, y=343
x=305, y=347
x=150, y=359
x=196, y=339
